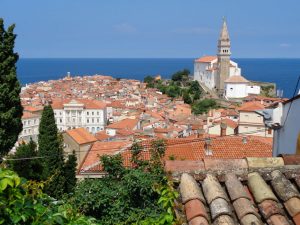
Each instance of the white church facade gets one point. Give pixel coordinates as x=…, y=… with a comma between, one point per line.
x=222, y=75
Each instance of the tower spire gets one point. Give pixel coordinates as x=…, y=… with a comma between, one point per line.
x=224, y=35
x=223, y=58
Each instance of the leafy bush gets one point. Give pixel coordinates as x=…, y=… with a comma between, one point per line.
x=203, y=106
x=129, y=196
x=23, y=202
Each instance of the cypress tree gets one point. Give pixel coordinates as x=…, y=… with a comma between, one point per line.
x=29, y=169
x=51, y=148
x=70, y=173
x=10, y=103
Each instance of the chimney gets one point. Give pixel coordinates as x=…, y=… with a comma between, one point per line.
x=200, y=132
x=223, y=129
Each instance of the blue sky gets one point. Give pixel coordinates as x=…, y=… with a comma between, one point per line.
x=153, y=28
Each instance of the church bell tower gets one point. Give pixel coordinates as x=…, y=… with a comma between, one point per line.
x=223, y=58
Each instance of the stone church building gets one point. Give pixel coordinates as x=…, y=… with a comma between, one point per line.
x=222, y=75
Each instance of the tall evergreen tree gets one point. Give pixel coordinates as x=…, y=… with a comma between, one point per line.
x=51, y=149
x=29, y=169
x=10, y=104
x=70, y=173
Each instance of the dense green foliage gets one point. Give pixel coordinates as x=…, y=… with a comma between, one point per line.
x=29, y=169
x=181, y=75
x=203, y=106
x=49, y=144
x=10, y=104
x=70, y=173
x=51, y=149
x=23, y=202
x=148, y=79
x=129, y=196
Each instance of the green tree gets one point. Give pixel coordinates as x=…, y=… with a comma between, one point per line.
x=195, y=87
x=70, y=173
x=148, y=79
x=173, y=91
x=29, y=169
x=51, y=149
x=181, y=75
x=203, y=106
x=187, y=98
x=10, y=103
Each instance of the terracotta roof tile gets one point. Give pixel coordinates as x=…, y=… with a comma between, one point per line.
x=81, y=136
x=251, y=106
x=235, y=188
x=195, y=208
x=243, y=206
x=225, y=164
x=212, y=189
x=102, y=148
x=124, y=124
x=206, y=59
x=28, y=115
x=218, y=207
x=259, y=188
x=263, y=185
x=184, y=166
x=283, y=187
x=189, y=189
x=236, y=79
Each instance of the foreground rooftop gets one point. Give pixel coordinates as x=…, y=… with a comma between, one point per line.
x=250, y=191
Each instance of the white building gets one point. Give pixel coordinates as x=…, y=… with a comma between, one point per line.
x=222, y=75
x=30, y=123
x=71, y=114
x=238, y=87
x=286, y=125
x=206, y=71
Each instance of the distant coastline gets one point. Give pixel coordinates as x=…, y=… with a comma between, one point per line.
x=282, y=71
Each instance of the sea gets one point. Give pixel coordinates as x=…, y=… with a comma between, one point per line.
x=283, y=72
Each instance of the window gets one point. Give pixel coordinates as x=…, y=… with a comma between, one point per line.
x=93, y=120
x=60, y=120
x=97, y=120
x=231, y=88
x=92, y=113
x=98, y=113
x=87, y=120
x=87, y=113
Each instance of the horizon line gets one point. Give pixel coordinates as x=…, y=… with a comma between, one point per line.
x=152, y=57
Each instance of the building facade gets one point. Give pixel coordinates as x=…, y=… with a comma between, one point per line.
x=75, y=113
x=286, y=125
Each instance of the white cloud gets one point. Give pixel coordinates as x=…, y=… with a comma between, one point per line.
x=125, y=28
x=285, y=45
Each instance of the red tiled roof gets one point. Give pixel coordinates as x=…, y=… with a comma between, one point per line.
x=228, y=147
x=228, y=122
x=251, y=106
x=102, y=148
x=28, y=115
x=206, y=59
x=88, y=103
x=236, y=79
x=101, y=135
x=124, y=124
x=81, y=135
